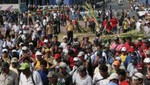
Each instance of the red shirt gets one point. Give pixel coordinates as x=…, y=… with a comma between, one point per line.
x=41, y=43
x=114, y=22
x=70, y=60
x=105, y=23
x=124, y=83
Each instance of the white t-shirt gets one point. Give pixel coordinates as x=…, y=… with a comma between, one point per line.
x=25, y=81
x=87, y=80
x=15, y=28
x=63, y=45
x=97, y=81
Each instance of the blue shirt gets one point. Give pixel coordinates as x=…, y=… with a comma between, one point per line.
x=112, y=83
x=43, y=75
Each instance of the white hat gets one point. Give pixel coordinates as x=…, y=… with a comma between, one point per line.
x=81, y=53
x=140, y=20
x=30, y=43
x=14, y=60
x=45, y=40
x=24, y=48
x=20, y=32
x=146, y=60
x=65, y=37
x=113, y=76
x=5, y=50
x=118, y=58
x=50, y=74
x=63, y=65
x=20, y=44
x=14, y=50
x=76, y=59
x=138, y=75
x=123, y=49
x=38, y=53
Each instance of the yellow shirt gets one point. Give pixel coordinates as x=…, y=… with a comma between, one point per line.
x=123, y=57
x=49, y=29
x=37, y=66
x=69, y=27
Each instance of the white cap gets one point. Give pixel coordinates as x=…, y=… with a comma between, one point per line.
x=38, y=53
x=138, y=75
x=65, y=37
x=113, y=76
x=123, y=49
x=45, y=40
x=30, y=43
x=24, y=48
x=20, y=32
x=76, y=59
x=62, y=65
x=5, y=50
x=118, y=58
x=148, y=52
x=146, y=60
x=14, y=60
x=81, y=53
x=14, y=50
x=20, y=44
x=140, y=20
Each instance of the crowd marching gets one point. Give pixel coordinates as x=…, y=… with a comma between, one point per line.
x=32, y=54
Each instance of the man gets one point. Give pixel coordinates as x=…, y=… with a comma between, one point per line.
x=14, y=65
x=113, y=79
x=137, y=79
x=52, y=78
x=70, y=29
x=64, y=78
x=43, y=72
x=101, y=77
x=122, y=78
x=5, y=57
x=7, y=76
x=83, y=78
x=28, y=77
x=39, y=59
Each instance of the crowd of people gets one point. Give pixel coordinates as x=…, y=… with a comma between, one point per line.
x=32, y=54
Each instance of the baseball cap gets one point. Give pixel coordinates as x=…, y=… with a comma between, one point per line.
x=20, y=44
x=81, y=53
x=5, y=50
x=24, y=48
x=75, y=59
x=146, y=60
x=123, y=49
x=45, y=40
x=113, y=76
x=57, y=56
x=65, y=37
x=116, y=63
x=139, y=38
x=51, y=74
x=14, y=60
x=24, y=66
x=62, y=65
x=5, y=65
x=14, y=50
x=31, y=43
x=38, y=53
x=118, y=58
x=138, y=75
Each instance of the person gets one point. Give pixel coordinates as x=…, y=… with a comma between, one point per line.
x=113, y=79
x=70, y=29
x=64, y=78
x=101, y=78
x=122, y=78
x=52, y=78
x=83, y=78
x=137, y=79
x=28, y=77
x=8, y=77
x=43, y=72
x=5, y=57
x=14, y=65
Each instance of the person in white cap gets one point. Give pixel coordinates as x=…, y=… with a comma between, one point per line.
x=137, y=79
x=5, y=57
x=64, y=43
x=114, y=79
x=64, y=78
x=39, y=58
x=14, y=65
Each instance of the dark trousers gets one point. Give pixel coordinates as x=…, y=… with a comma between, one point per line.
x=7, y=33
x=70, y=36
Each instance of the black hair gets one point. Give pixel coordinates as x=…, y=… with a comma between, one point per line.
x=103, y=68
x=43, y=62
